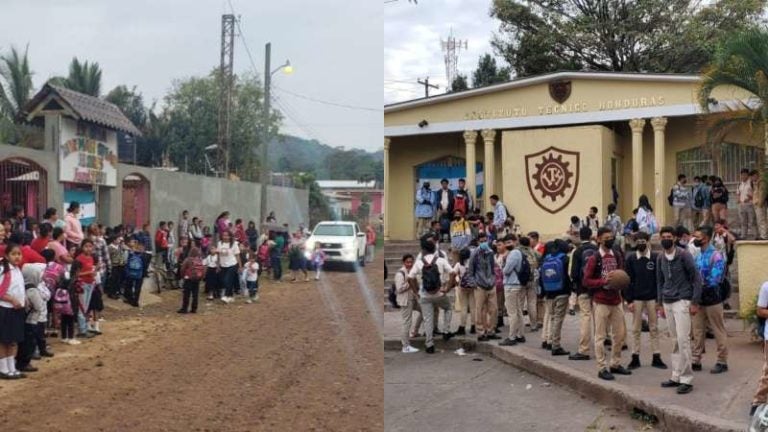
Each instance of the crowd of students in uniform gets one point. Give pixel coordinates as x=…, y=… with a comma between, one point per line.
x=489, y=270
x=54, y=273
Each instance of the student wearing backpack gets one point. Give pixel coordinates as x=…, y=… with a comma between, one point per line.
x=408, y=300
x=530, y=294
x=461, y=233
x=481, y=270
x=134, y=273
x=430, y=270
x=516, y=267
x=641, y=297
x=761, y=394
x=580, y=258
x=646, y=221
x=679, y=291
x=697, y=201
x=711, y=267
x=466, y=293
x=607, y=304
x=462, y=200
x=193, y=272
x=556, y=289
x=681, y=202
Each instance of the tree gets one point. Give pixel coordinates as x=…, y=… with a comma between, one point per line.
x=541, y=36
x=740, y=62
x=83, y=77
x=130, y=102
x=488, y=72
x=459, y=83
x=319, y=209
x=15, y=92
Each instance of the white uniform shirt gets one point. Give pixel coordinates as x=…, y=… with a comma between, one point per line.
x=16, y=287
x=228, y=255
x=442, y=266
x=252, y=271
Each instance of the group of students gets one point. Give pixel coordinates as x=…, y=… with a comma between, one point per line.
x=498, y=271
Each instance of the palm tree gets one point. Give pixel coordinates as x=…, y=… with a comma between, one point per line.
x=16, y=85
x=83, y=77
x=740, y=62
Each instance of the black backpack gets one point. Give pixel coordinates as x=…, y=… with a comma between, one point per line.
x=586, y=254
x=671, y=197
x=430, y=275
x=524, y=275
x=698, y=198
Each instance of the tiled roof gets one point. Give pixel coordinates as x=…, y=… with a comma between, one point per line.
x=87, y=108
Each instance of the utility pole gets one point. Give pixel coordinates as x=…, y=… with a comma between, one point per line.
x=263, y=172
x=427, y=85
x=226, y=75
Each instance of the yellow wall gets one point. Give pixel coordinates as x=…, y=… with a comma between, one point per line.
x=592, y=142
x=752, y=272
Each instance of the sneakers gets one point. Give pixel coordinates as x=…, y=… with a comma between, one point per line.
x=73, y=342
x=620, y=370
x=46, y=354
x=578, y=356
x=447, y=336
x=508, y=342
x=409, y=349
x=520, y=339
x=493, y=336
x=559, y=351
x=635, y=363
x=605, y=374
x=719, y=368
x=482, y=338
x=657, y=363
x=28, y=368
x=181, y=311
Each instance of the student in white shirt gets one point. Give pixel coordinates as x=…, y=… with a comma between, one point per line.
x=229, y=266
x=12, y=315
x=747, y=216
x=252, y=278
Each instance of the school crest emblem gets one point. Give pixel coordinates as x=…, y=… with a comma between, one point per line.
x=552, y=176
x=560, y=91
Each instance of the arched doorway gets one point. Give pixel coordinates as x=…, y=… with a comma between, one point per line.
x=135, y=200
x=23, y=183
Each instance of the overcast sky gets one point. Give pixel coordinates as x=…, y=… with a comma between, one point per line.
x=334, y=45
x=412, y=35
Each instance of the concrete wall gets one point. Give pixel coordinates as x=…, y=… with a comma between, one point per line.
x=752, y=272
x=172, y=192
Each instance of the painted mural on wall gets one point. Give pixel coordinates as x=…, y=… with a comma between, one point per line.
x=86, y=155
x=552, y=176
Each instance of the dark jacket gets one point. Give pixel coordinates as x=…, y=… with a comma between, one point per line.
x=677, y=279
x=438, y=195
x=642, y=277
x=595, y=282
x=577, y=266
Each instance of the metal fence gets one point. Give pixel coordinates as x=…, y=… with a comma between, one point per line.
x=726, y=165
x=23, y=183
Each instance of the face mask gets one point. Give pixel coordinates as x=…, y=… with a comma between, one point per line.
x=484, y=246
x=697, y=243
x=510, y=247
x=667, y=243
x=608, y=243
x=682, y=243
x=642, y=247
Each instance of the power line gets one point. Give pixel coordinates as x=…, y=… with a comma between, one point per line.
x=325, y=102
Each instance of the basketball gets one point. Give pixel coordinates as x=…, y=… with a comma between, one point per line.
x=618, y=280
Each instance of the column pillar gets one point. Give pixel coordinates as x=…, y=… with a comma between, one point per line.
x=659, y=154
x=387, y=188
x=470, y=139
x=637, y=126
x=489, y=165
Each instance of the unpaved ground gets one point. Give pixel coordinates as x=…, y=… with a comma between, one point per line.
x=308, y=357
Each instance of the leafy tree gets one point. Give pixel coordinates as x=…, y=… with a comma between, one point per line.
x=459, y=83
x=130, y=102
x=353, y=164
x=488, y=72
x=541, y=36
x=741, y=62
x=15, y=92
x=319, y=209
x=83, y=77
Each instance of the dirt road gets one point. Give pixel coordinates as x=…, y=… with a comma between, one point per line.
x=308, y=357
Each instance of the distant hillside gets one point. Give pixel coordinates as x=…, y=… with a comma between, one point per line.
x=294, y=154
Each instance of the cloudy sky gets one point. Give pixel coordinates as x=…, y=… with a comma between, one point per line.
x=334, y=45
x=412, y=35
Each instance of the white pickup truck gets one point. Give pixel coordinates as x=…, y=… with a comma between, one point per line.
x=341, y=241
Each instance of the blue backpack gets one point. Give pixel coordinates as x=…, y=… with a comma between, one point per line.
x=553, y=273
x=135, y=266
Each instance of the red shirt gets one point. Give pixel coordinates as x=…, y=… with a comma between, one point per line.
x=39, y=244
x=28, y=256
x=161, y=239
x=609, y=261
x=87, y=262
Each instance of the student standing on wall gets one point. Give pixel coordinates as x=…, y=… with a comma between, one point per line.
x=499, y=212
x=444, y=207
x=745, y=195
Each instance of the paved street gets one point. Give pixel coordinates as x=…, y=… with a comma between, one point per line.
x=446, y=392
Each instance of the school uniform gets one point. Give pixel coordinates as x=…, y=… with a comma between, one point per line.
x=12, y=320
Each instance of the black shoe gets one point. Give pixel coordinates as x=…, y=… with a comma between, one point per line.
x=710, y=335
x=559, y=351
x=85, y=335
x=430, y=350
x=670, y=384
x=494, y=336
x=193, y=311
x=520, y=339
x=447, y=336
x=525, y=313
x=605, y=374
x=696, y=367
x=620, y=370
x=5, y=376
x=657, y=363
x=461, y=331
x=437, y=332
x=508, y=342
x=482, y=338
x=181, y=311
x=752, y=410
x=472, y=330
x=684, y=389
x=28, y=368
x=546, y=346
x=644, y=327
x=499, y=323
x=635, y=363
x=571, y=312
x=578, y=356
x=719, y=368
x=624, y=347
x=607, y=343
x=46, y=354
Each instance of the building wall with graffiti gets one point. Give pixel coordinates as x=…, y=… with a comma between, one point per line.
x=87, y=154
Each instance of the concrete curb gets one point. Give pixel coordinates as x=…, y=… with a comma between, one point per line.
x=671, y=417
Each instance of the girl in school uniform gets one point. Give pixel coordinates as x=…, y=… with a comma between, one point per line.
x=211, y=263
x=12, y=315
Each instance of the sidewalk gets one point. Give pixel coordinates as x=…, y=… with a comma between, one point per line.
x=717, y=403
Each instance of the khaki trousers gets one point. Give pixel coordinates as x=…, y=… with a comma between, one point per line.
x=761, y=396
x=407, y=311
x=530, y=300
x=585, y=323
x=546, y=334
x=682, y=216
x=427, y=303
x=607, y=316
x=714, y=316
x=558, y=307
x=637, y=325
x=747, y=219
x=679, y=326
x=719, y=211
x=467, y=302
x=422, y=226
x=762, y=228
x=513, y=300
x=485, y=310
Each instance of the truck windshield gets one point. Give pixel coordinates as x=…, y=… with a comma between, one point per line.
x=334, y=230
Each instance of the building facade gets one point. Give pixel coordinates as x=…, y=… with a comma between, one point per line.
x=345, y=196
x=552, y=146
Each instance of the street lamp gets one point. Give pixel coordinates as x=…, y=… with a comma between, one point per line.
x=263, y=175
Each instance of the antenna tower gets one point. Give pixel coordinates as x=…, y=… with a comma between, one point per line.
x=226, y=76
x=451, y=48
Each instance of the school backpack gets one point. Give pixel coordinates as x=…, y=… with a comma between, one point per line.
x=698, y=198
x=135, y=267
x=586, y=254
x=196, y=270
x=553, y=273
x=52, y=274
x=653, y=224
x=61, y=302
x=460, y=203
x=524, y=275
x=631, y=227
x=430, y=275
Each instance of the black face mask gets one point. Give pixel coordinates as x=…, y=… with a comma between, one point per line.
x=697, y=243
x=642, y=247
x=608, y=243
x=667, y=243
x=510, y=247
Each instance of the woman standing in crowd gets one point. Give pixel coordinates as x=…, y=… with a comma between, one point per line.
x=240, y=235
x=296, y=259
x=229, y=265
x=211, y=263
x=51, y=217
x=72, y=228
